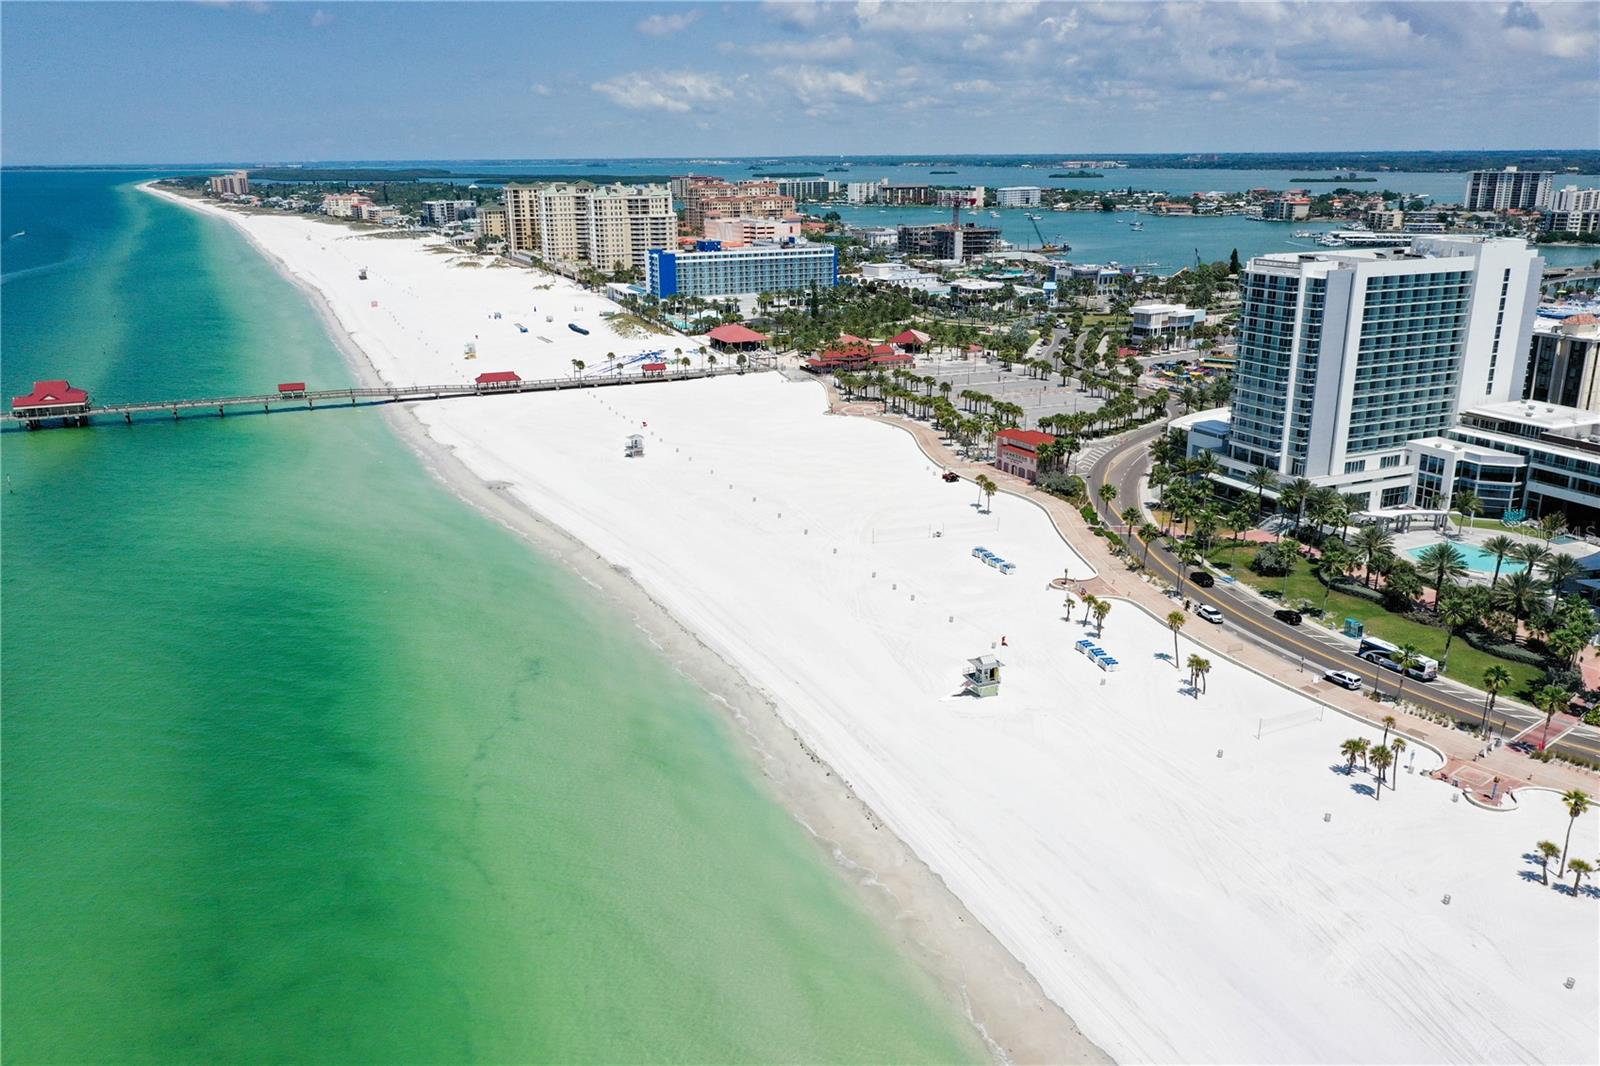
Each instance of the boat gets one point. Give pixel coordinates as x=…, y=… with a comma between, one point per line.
x=574, y=327
x=994, y=214
x=1034, y=217
x=1305, y=234
x=1136, y=224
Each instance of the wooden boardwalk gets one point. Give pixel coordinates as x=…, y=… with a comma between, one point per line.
x=356, y=397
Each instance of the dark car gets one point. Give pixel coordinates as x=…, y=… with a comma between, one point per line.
x=951, y=475
x=1202, y=579
x=1286, y=616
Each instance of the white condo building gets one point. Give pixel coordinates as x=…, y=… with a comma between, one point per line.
x=1507, y=190
x=1345, y=357
x=1018, y=196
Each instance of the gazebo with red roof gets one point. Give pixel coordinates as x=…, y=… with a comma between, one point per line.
x=52, y=399
x=735, y=337
x=497, y=379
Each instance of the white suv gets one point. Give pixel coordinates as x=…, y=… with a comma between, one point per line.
x=1343, y=678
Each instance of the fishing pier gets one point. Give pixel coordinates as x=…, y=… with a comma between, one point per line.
x=58, y=403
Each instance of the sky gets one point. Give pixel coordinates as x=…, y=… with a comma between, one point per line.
x=260, y=82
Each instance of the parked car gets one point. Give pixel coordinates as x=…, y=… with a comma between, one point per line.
x=1343, y=678
x=951, y=475
x=1286, y=616
x=1202, y=579
x=1209, y=613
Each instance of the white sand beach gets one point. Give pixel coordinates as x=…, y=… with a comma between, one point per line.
x=1185, y=891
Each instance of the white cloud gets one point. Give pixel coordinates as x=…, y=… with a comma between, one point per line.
x=821, y=87
x=667, y=25
x=320, y=17
x=542, y=89
x=675, y=91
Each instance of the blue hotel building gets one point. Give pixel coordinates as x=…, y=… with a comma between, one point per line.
x=711, y=270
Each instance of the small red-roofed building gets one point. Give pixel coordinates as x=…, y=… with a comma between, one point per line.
x=52, y=399
x=290, y=389
x=1017, y=451
x=654, y=370
x=497, y=379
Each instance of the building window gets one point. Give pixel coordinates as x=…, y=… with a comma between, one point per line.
x=1395, y=497
x=1388, y=462
x=1355, y=466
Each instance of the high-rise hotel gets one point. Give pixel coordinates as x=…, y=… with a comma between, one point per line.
x=1345, y=357
x=602, y=225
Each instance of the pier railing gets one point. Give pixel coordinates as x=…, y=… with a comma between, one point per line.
x=361, y=397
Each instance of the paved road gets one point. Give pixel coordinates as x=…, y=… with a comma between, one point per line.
x=1250, y=616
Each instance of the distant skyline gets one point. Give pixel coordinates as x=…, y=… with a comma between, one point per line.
x=267, y=82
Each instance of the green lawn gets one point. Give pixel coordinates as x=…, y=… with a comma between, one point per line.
x=1466, y=665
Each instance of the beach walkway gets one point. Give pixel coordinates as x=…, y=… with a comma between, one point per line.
x=1114, y=579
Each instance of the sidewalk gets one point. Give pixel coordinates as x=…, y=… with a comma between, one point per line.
x=1115, y=579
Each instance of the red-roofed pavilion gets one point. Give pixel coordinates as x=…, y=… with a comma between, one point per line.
x=52, y=399
x=736, y=338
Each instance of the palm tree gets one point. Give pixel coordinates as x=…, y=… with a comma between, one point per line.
x=1363, y=748
x=1499, y=547
x=1381, y=758
x=1261, y=479
x=1372, y=544
x=1408, y=658
x=1440, y=563
x=1545, y=850
x=1199, y=667
x=1521, y=593
x=1296, y=494
x=1107, y=493
x=1350, y=749
x=986, y=490
x=1558, y=569
x=1550, y=699
x=1468, y=504
x=1331, y=565
x=1396, y=746
x=1388, y=724
x=1175, y=620
x=1129, y=516
x=1148, y=533
x=1532, y=554
x=1496, y=679
x=1101, y=609
x=577, y=367
x=1580, y=869
x=1576, y=801
x=1454, y=613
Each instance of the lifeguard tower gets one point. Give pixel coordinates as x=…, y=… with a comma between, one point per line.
x=634, y=447
x=982, y=677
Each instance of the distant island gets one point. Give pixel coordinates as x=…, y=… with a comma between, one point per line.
x=941, y=172
x=1078, y=174
x=1345, y=178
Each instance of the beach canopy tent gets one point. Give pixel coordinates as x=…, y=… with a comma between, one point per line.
x=497, y=379
x=736, y=338
x=51, y=398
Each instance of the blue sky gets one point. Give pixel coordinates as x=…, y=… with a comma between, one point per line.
x=268, y=81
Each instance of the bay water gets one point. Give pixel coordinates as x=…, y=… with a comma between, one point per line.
x=305, y=760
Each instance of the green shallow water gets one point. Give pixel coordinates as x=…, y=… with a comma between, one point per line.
x=306, y=761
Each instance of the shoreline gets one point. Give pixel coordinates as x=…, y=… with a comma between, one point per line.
x=927, y=923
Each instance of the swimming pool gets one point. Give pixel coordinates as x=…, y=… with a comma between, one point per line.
x=1476, y=559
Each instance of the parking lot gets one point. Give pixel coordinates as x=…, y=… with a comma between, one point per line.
x=1038, y=398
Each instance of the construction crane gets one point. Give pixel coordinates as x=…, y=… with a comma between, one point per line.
x=1037, y=232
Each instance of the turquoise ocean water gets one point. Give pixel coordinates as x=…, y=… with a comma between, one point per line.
x=306, y=761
